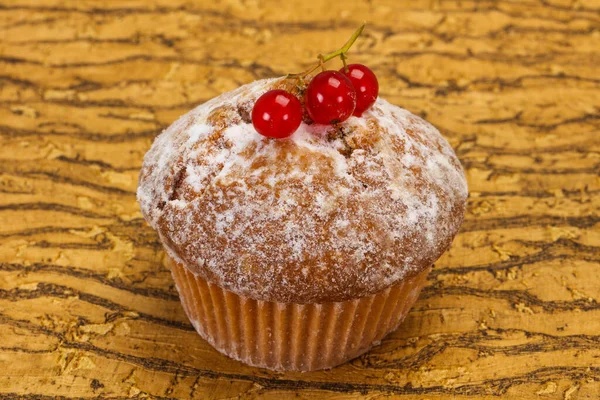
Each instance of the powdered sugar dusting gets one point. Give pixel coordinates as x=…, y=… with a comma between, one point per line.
x=325, y=215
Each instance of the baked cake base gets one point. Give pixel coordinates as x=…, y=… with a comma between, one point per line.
x=292, y=337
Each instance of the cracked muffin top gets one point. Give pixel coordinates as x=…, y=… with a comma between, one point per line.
x=331, y=213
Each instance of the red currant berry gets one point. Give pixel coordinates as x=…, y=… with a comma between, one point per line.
x=330, y=98
x=277, y=114
x=366, y=86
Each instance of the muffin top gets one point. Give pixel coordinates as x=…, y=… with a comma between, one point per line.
x=331, y=213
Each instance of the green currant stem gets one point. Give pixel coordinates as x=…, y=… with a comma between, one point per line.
x=338, y=53
x=321, y=62
x=346, y=47
x=343, y=57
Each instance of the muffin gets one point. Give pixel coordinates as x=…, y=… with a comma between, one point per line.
x=300, y=253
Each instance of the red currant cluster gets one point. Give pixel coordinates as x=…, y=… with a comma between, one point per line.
x=330, y=98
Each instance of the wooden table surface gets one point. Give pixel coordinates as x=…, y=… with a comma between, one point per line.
x=86, y=307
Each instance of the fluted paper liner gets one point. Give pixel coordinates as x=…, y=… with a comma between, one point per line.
x=288, y=336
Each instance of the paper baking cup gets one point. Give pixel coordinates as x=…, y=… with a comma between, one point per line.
x=288, y=336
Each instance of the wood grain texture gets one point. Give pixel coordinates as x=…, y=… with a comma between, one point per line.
x=86, y=307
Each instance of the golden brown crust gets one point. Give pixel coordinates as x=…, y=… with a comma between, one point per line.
x=331, y=214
